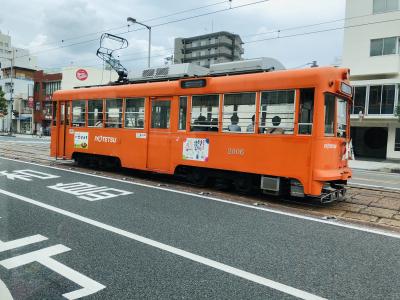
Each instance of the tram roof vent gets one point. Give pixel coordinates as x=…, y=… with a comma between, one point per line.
x=246, y=66
x=172, y=71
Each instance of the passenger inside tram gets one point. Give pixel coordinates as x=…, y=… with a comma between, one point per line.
x=234, y=123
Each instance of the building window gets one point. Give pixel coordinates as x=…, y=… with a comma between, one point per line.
x=277, y=112
x=205, y=113
x=95, y=113
x=182, y=113
x=381, y=6
x=134, y=113
x=360, y=94
x=114, y=113
x=239, y=112
x=397, y=140
x=306, y=111
x=381, y=99
x=384, y=46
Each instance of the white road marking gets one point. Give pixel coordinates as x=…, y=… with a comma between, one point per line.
x=43, y=256
x=197, y=258
x=26, y=175
x=377, y=180
x=270, y=210
x=89, y=192
x=5, y=246
x=4, y=292
x=365, y=185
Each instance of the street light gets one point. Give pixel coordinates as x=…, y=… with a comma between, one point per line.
x=130, y=19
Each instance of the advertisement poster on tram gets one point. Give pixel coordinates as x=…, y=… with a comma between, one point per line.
x=196, y=149
x=81, y=140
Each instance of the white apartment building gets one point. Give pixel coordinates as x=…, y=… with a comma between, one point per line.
x=21, y=57
x=372, y=52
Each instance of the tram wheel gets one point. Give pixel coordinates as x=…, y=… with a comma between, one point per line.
x=198, y=177
x=243, y=183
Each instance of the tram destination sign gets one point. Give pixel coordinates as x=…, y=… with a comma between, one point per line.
x=195, y=83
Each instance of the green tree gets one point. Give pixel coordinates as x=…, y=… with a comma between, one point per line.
x=3, y=103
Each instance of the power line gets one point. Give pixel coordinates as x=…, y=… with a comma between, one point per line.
x=156, y=25
x=320, y=31
x=308, y=25
x=313, y=32
x=147, y=20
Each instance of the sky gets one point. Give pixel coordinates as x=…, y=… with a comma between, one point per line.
x=67, y=32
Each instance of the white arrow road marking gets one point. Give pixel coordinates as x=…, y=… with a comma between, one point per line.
x=43, y=256
x=197, y=258
x=4, y=292
x=4, y=246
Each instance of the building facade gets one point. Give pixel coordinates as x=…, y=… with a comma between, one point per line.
x=45, y=86
x=372, y=52
x=20, y=57
x=208, y=49
x=20, y=83
x=67, y=78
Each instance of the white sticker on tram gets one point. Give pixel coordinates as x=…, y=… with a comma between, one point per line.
x=44, y=257
x=179, y=252
x=89, y=192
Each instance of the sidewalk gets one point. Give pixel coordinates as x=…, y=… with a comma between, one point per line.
x=24, y=136
x=371, y=165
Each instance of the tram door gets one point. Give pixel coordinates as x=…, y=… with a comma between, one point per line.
x=158, y=149
x=62, y=128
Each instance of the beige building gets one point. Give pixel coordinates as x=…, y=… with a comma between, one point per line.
x=372, y=52
x=86, y=76
x=208, y=49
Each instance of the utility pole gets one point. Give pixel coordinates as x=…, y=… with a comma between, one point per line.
x=10, y=103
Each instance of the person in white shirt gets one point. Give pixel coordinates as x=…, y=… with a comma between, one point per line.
x=234, y=123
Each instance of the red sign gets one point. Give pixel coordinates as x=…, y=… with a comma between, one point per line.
x=30, y=102
x=81, y=74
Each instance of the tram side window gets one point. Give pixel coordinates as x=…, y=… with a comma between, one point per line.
x=277, y=112
x=239, y=112
x=78, y=113
x=160, y=112
x=205, y=113
x=329, y=115
x=95, y=113
x=306, y=111
x=134, y=113
x=182, y=113
x=54, y=113
x=113, y=113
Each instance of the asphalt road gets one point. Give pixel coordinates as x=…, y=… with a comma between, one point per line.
x=71, y=234
x=363, y=178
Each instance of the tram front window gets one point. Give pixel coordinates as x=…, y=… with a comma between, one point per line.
x=341, y=116
x=335, y=106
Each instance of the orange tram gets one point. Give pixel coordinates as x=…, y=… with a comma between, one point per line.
x=284, y=132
